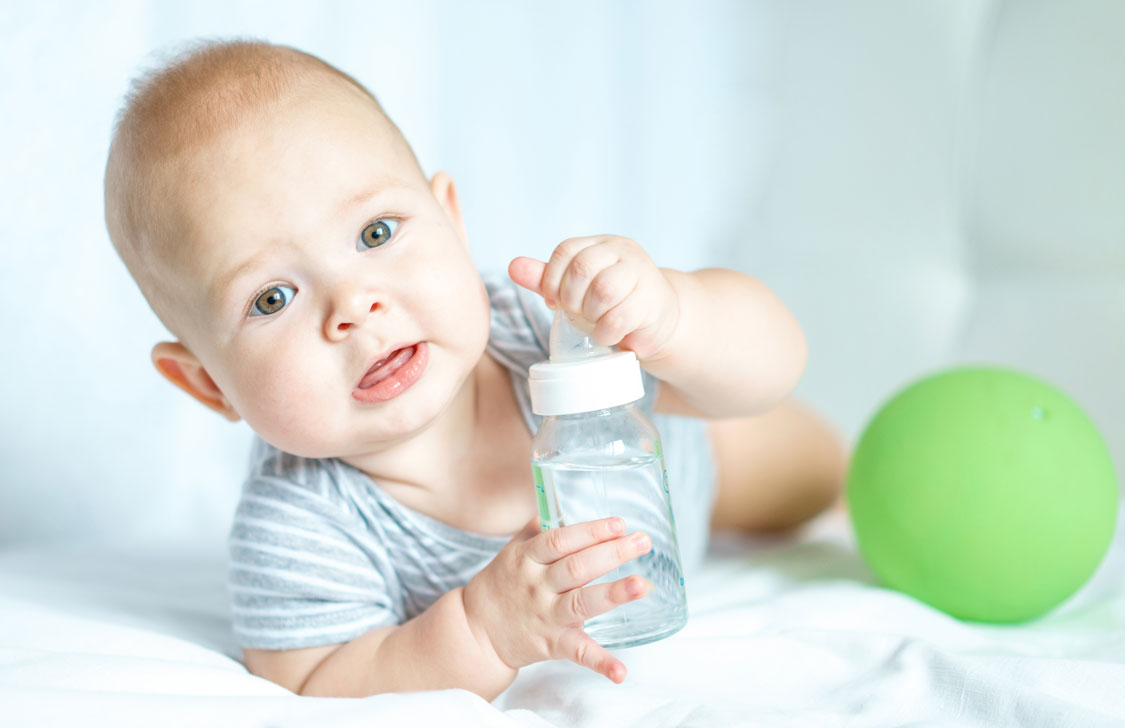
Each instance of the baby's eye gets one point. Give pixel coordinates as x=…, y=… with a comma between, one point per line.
x=375, y=234
x=272, y=301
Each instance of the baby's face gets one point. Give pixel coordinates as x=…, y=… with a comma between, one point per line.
x=314, y=248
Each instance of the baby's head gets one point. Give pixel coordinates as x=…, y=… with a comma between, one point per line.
x=280, y=226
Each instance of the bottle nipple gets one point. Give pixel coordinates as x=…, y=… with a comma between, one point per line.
x=572, y=339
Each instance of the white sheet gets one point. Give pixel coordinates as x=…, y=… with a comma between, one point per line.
x=785, y=632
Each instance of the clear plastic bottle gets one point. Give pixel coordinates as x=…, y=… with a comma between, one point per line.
x=596, y=455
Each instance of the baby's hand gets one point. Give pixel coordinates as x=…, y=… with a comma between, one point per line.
x=529, y=603
x=611, y=282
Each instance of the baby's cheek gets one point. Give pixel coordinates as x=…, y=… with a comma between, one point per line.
x=287, y=405
x=459, y=302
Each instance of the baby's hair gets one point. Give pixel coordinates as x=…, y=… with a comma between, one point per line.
x=198, y=93
x=224, y=78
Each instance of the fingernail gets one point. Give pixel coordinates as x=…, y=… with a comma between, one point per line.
x=616, y=525
x=637, y=586
x=640, y=539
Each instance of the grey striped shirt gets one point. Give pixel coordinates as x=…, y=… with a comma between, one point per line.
x=320, y=554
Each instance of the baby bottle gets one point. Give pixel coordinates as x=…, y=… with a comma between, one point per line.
x=597, y=455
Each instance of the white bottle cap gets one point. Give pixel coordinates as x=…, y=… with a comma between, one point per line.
x=584, y=386
x=581, y=375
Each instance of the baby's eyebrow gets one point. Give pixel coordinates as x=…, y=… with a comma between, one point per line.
x=358, y=199
x=384, y=184
x=224, y=286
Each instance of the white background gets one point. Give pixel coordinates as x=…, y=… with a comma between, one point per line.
x=925, y=183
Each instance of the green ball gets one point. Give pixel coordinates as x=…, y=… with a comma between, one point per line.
x=983, y=492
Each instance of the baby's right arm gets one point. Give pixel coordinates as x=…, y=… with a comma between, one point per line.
x=527, y=605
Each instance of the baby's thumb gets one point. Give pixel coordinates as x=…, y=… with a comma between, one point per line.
x=527, y=272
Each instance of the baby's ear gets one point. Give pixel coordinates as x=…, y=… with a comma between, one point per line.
x=180, y=367
x=446, y=193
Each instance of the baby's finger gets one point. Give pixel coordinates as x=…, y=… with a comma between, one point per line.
x=555, y=543
x=582, y=567
x=584, y=267
x=623, y=319
x=576, y=645
x=610, y=287
x=557, y=264
x=578, y=605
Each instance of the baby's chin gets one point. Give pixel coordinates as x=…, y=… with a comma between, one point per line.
x=358, y=442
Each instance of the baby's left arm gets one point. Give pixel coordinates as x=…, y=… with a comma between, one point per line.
x=723, y=344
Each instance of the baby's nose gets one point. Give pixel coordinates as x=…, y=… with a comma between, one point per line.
x=348, y=314
x=344, y=325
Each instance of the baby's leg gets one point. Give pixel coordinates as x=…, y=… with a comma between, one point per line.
x=775, y=470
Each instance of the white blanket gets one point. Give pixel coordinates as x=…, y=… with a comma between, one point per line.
x=784, y=632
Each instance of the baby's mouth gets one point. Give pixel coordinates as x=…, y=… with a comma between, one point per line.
x=386, y=366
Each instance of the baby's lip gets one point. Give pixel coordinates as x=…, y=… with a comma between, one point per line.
x=380, y=358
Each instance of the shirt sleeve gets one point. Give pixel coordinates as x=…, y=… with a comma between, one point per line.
x=521, y=331
x=300, y=573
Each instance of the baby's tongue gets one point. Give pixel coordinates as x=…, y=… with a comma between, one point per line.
x=389, y=366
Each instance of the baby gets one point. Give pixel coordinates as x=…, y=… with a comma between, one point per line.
x=320, y=287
